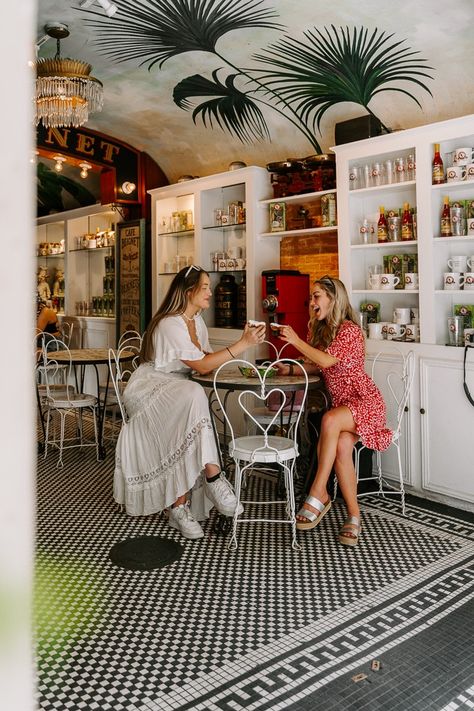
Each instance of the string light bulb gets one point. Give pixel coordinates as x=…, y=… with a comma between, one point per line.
x=85, y=168
x=59, y=160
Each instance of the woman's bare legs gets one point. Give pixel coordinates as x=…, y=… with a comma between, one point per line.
x=211, y=470
x=345, y=472
x=334, y=422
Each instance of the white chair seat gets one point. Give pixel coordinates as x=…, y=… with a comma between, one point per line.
x=73, y=401
x=249, y=449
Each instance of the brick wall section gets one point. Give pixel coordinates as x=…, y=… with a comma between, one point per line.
x=315, y=255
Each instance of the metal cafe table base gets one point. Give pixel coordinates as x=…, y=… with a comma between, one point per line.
x=82, y=357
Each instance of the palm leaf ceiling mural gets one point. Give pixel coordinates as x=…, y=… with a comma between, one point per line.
x=262, y=80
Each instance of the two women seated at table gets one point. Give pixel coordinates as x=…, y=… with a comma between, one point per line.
x=168, y=447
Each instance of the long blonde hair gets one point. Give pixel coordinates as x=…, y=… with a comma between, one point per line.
x=185, y=283
x=322, y=333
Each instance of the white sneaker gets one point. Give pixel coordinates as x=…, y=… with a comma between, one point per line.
x=222, y=495
x=181, y=518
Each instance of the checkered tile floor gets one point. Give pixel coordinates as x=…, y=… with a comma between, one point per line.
x=260, y=628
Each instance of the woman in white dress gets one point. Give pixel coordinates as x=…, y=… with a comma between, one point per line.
x=168, y=448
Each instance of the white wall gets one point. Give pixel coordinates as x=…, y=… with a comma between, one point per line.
x=17, y=438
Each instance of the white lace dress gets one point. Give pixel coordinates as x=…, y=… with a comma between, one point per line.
x=164, y=447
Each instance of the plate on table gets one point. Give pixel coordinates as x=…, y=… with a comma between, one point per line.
x=253, y=372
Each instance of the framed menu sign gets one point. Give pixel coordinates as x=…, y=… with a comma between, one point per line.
x=130, y=256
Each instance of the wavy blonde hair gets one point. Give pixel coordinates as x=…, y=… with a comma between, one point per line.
x=186, y=281
x=322, y=333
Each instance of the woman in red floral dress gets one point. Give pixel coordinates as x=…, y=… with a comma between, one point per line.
x=336, y=349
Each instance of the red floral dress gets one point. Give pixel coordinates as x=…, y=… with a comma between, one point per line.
x=349, y=384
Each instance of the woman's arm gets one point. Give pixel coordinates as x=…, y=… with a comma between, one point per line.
x=46, y=316
x=252, y=336
x=320, y=358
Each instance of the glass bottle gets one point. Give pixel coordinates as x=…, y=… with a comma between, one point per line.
x=445, y=224
x=437, y=167
x=407, y=223
x=382, y=229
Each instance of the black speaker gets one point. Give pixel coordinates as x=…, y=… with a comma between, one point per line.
x=357, y=129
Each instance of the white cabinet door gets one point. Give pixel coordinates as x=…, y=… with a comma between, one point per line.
x=447, y=429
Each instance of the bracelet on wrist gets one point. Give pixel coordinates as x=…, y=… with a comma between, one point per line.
x=230, y=352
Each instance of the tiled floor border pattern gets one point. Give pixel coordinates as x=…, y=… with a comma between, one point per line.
x=273, y=678
x=462, y=701
x=276, y=675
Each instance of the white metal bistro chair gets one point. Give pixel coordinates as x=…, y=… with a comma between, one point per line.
x=399, y=380
x=119, y=376
x=263, y=448
x=65, y=401
x=130, y=341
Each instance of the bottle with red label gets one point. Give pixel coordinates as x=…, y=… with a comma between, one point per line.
x=407, y=223
x=382, y=228
x=445, y=224
x=437, y=167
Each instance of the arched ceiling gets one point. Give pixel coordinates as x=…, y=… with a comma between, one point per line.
x=138, y=102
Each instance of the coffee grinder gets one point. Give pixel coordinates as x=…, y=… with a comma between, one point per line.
x=285, y=300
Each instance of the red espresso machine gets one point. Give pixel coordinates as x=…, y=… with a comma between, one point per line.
x=285, y=300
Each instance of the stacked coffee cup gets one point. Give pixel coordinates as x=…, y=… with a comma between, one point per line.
x=459, y=276
x=403, y=327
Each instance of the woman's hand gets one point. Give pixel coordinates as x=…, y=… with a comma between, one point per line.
x=283, y=368
x=287, y=334
x=253, y=335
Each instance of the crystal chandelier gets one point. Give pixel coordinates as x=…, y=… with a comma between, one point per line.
x=65, y=92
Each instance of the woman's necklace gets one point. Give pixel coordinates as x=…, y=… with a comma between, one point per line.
x=188, y=318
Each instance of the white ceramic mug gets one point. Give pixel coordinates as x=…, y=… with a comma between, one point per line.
x=375, y=331
x=411, y=280
x=453, y=280
x=455, y=173
x=468, y=336
x=402, y=315
x=470, y=226
x=470, y=171
x=458, y=264
x=463, y=155
x=412, y=332
x=389, y=281
x=395, y=330
x=375, y=281
x=470, y=263
x=415, y=315
x=468, y=280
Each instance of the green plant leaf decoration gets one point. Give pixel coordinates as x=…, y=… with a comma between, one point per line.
x=230, y=109
x=336, y=65
x=153, y=31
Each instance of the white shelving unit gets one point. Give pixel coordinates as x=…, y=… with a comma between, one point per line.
x=440, y=425
x=303, y=198
x=84, y=268
x=201, y=197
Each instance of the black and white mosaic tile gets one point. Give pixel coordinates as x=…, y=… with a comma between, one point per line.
x=263, y=627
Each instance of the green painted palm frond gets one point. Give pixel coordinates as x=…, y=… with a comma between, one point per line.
x=230, y=109
x=337, y=65
x=155, y=30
